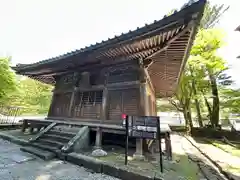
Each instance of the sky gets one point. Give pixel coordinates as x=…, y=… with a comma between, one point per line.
x=36, y=30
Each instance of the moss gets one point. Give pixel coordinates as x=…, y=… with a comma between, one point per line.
x=180, y=166
x=227, y=148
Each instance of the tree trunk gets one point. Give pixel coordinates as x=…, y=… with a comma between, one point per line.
x=197, y=104
x=208, y=108
x=200, y=121
x=188, y=119
x=215, y=108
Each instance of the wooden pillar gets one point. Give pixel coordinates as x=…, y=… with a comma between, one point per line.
x=98, y=142
x=168, y=146
x=50, y=110
x=143, y=109
x=24, y=125
x=71, y=102
x=104, y=108
x=143, y=90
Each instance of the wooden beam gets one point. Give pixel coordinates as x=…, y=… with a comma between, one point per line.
x=121, y=84
x=188, y=47
x=149, y=80
x=168, y=43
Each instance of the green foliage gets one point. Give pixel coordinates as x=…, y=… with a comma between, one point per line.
x=7, y=79
x=230, y=100
x=198, y=87
x=32, y=95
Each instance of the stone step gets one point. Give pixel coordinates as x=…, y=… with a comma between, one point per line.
x=45, y=147
x=73, y=129
x=56, y=138
x=50, y=142
x=46, y=155
x=62, y=133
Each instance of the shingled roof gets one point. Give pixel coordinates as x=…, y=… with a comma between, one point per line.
x=166, y=42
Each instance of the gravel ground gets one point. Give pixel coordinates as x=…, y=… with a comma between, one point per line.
x=17, y=165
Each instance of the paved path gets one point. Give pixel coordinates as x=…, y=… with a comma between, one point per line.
x=17, y=165
x=228, y=162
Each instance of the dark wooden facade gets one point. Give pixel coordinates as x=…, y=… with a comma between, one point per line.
x=103, y=93
x=123, y=74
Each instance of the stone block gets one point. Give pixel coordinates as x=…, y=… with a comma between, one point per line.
x=85, y=161
x=99, y=153
x=79, y=141
x=110, y=170
x=46, y=155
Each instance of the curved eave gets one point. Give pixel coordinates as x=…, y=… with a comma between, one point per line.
x=166, y=42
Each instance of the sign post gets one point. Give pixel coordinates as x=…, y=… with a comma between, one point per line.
x=142, y=127
x=126, y=147
x=159, y=142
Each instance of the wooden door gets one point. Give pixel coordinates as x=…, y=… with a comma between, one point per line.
x=123, y=101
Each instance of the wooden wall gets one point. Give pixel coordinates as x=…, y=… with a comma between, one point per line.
x=80, y=94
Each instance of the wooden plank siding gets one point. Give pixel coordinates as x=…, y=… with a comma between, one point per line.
x=123, y=101
x=85, y=101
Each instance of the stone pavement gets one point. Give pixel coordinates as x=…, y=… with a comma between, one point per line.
x=17, y=165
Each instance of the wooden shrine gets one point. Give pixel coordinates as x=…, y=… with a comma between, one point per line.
x=123, y=74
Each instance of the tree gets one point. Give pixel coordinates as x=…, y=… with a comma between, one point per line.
x=182, y=99
x=7, y=79
x=230, y=100
x=204, y=55
x=33, y=96
x=212, y=15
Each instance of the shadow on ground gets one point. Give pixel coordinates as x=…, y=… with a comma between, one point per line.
x=227, y=169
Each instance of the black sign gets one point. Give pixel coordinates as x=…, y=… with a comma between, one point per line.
x=142, y=126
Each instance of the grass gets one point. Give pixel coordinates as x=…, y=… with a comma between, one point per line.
x=181, y=166
x=232, y=169
x=227, y=148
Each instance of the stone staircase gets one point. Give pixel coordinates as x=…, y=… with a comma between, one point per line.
x=57, y=140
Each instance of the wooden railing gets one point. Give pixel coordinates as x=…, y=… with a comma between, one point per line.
x=8, y=114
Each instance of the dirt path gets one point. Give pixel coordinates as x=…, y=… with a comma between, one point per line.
x=229, y=163
x=181, y=145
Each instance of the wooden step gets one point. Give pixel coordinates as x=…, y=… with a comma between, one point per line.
x=56, y=137
x=46, y=155
x=51, y=142
x=62, y=133
x=45, y=147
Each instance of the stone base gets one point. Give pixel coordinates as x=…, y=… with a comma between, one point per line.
x=99, y=153
x=138, y=157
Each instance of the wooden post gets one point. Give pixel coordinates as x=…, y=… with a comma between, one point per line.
x=71, y=102
x=168, y=146
x=51, y=105
x=160, y=144
x=126, y=145
x=98, y=142
x=53, y=99
x=24, y=125
x=104, y=108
